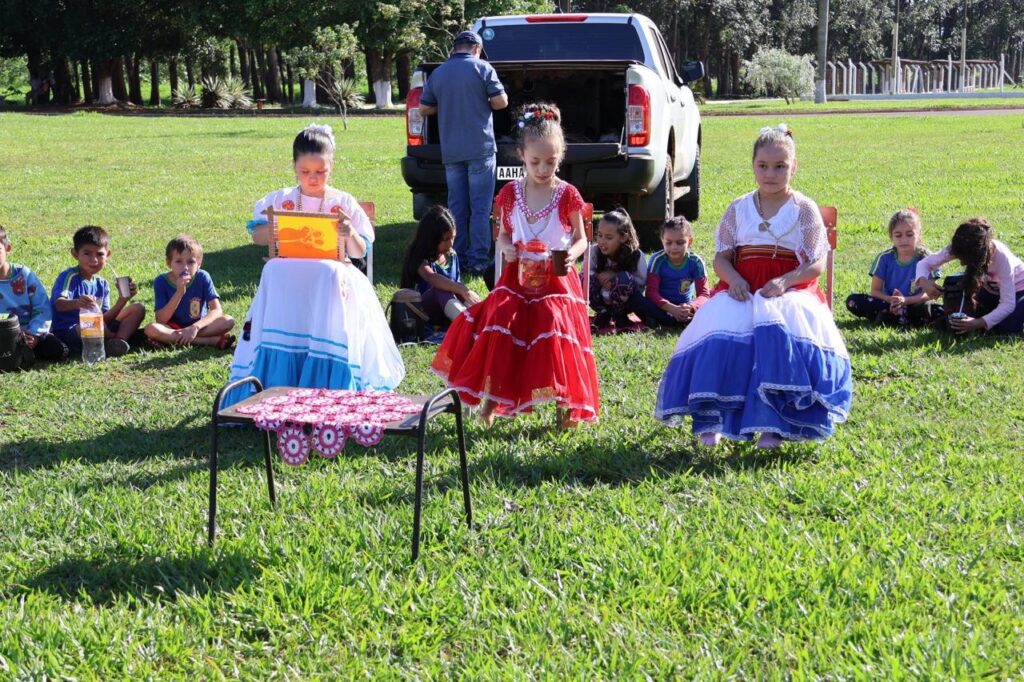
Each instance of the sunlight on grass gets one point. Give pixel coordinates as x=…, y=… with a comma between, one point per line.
x=620, y=550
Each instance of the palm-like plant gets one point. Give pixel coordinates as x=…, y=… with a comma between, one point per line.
x=186, y=98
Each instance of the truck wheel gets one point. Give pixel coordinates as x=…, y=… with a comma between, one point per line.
x=649, y=231
x=689, y=204
x=421, y=203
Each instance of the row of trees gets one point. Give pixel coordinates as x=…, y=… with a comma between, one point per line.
x=105, y=50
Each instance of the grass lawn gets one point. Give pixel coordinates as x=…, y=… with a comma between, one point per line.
x=892, y=550
x=778, y=107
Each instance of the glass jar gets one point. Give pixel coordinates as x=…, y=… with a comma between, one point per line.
x=534, y=267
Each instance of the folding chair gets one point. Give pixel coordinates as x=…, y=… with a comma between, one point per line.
x=829, y=216
x=370, y=209
x=588, y=232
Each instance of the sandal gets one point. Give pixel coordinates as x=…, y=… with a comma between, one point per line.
x=226, y=342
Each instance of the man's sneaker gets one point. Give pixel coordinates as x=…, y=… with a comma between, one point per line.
x=115, y=348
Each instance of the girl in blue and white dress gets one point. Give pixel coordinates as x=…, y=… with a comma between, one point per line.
x=763, y=355
x=316, y=323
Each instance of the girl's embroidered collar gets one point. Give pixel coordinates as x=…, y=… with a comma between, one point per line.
x=532, y=217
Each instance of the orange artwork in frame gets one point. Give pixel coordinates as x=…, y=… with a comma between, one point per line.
x=297, y=234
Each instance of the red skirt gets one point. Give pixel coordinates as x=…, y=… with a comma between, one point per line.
x=520, y=350
x=757, y=267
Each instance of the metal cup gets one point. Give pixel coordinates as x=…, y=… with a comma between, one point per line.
x=124, y=286
x=559, y=262
x=958, y=316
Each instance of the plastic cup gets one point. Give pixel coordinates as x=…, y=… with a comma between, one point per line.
x=124, y=286
x=559, y=262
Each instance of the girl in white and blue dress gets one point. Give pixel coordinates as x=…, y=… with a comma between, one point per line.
x=335, y=334
x=763, y=356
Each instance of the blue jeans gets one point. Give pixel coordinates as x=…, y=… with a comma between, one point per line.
x=470, y=198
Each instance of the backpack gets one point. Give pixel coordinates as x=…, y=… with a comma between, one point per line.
x=14, y=352
x=407, y=318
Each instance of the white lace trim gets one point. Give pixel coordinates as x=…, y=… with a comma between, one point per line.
x=537, y=339
x=529, y=301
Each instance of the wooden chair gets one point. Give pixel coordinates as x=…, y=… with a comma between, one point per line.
x=588, y=232
x=829, y=216
x=370, y=209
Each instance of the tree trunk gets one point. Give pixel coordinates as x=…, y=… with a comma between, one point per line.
x=86, y=82
x=172, y=74
x=282, y=76
x=734, y=63
x=380, y=69
x=261, y=61
x=308, y=93
x=154, y=83
x=403, y=69
x=372, y=57
x=135, y=78
x=232, y=70
x=104, y=71
x=62, y=86
x=273, y=75
x=117, y=79
x=704, y=55
x=256, y=78
x=291, y=84
x=94, y=77
x=243, y=64
x=348, y=68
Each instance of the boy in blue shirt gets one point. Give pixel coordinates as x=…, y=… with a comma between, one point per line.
x=24, y=296
x=677, y=281
x=81, y=287
x=188, y=310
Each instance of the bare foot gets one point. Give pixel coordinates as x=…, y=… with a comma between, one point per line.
x=565, y=422
x=769, y=441
x=487, y=413
x=710, y=439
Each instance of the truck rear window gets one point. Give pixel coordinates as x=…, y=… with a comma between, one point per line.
x=557, y=41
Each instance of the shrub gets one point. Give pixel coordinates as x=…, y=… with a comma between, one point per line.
x=186, y=98
x=776, y=72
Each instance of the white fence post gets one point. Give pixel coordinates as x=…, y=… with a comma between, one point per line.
x=832, y=68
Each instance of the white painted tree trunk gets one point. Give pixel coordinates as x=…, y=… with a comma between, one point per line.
x=309, y=93
x=106, y=91
x=382, y=93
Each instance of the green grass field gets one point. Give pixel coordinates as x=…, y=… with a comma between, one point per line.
x=621, y=550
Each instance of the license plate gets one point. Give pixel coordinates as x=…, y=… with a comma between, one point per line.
x=511, y=172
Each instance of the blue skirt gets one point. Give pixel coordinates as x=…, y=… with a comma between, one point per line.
x=765, y=365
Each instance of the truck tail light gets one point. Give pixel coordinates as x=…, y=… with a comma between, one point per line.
x=413, y=119
x=554, y=18
x=638, y=116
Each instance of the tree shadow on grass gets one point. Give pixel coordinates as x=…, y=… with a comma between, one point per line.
x=188, y=441
x=583, y=462
x=109, y=575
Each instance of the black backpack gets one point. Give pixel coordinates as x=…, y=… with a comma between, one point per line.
x=14, y=352
x=407, y=318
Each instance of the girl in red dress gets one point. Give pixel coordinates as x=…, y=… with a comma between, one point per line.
x=529, y=341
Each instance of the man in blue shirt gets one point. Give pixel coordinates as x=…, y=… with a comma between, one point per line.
x=463, y=92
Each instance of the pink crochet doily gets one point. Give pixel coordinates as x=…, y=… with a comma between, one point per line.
x=308, y=419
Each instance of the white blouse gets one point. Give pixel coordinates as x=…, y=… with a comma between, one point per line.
x=797, y=227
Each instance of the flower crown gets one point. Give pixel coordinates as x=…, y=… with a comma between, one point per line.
x=535, y=117
x=781, y=128
x=321, y=128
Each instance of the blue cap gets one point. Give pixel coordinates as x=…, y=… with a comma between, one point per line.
x=467, y=37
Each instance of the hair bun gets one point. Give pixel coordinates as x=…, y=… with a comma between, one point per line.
x=321, y=129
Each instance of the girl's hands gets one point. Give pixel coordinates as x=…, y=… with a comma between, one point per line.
x=509, y=251
x=773, y=287
x=896, y=301
x=30, y=340
x=929, y=287
x=739, y=289
x=967, y=324
x=470, y=297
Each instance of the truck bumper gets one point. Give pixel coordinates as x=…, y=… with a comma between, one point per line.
x=424, y=172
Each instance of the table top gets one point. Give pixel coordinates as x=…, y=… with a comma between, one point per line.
x=409, y=423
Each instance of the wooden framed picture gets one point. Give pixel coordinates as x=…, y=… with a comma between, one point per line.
x=295, y=234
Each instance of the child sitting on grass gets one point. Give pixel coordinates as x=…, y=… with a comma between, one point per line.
x=892, y=299
x=677, y=281
x=81, y=288
x=24, y=296
x=618, y=272
x=431, y=267
x=188, y=310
